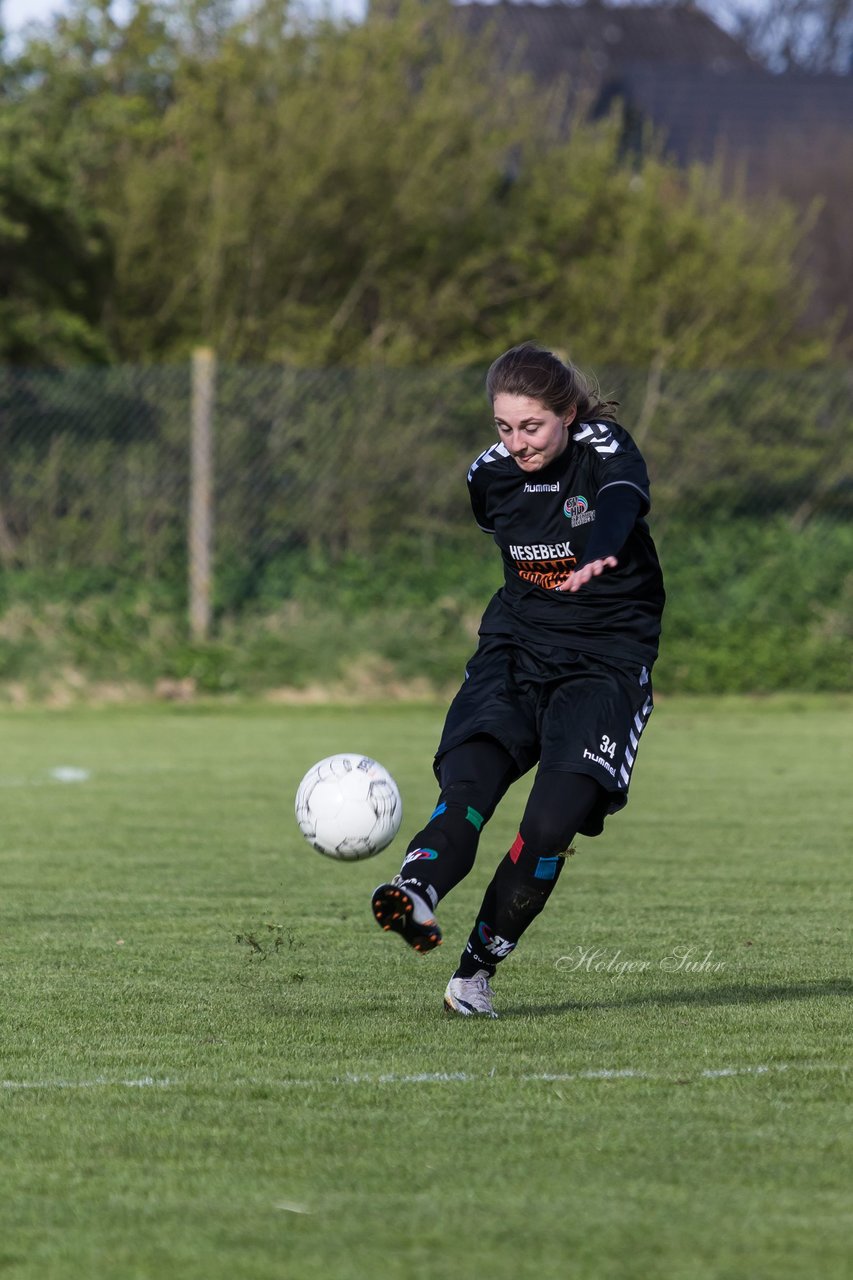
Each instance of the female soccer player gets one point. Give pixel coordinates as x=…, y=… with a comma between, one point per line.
x=562, y=674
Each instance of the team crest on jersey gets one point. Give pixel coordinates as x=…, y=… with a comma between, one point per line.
x=577, y=510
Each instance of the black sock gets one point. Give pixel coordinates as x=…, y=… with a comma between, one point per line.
x=526, y=876
x=443, y=853
x=474, y=776
x=520, y=887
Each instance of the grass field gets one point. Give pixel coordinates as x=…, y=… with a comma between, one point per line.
x=215, y=1065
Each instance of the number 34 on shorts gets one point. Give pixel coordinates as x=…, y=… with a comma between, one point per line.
x=615, y=755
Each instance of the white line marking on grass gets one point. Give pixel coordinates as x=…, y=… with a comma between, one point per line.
x=436, y=1077
x=69, y=773
x=290, y=1206
x=743, y=1071
x=62, y=773
x=549, y=1077
x=605, y=1074
x=426, y=1077
x=422, y=1077
x=144, y=1082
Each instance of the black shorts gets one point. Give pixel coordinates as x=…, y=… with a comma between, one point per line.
x=565, y=710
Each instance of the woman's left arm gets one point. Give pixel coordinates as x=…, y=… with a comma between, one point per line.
x=617, y=507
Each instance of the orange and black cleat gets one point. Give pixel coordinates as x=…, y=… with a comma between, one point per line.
x=399, y=907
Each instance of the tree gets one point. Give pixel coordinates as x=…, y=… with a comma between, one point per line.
x=54, y=254
x=72, y=103
x=371, y=193
x=329, y=193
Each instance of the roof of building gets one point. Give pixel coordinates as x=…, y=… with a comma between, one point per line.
x=568, y=39
x=671, y=66
x=698, y=110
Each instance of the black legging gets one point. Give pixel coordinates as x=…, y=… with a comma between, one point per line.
x=474, y=777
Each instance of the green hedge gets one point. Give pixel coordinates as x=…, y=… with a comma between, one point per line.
x=753, y=606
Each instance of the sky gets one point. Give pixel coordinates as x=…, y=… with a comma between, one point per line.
x=16, y=13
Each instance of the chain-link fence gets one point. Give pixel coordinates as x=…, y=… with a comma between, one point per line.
x=96, y=462
x=330, y=467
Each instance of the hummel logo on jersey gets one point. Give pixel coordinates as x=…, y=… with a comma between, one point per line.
x=492, y=942
x=542, y=488
x=599, y=435
x=589, y=755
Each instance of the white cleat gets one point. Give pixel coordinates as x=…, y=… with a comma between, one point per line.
x=470, y=996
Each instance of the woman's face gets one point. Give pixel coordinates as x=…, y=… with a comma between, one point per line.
x=533, y=434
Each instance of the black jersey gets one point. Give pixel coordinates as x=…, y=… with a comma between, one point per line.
x=541, y=522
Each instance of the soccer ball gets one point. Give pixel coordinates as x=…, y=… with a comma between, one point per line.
x=348, y=807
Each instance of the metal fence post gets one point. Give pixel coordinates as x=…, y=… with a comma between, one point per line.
x=201, y=492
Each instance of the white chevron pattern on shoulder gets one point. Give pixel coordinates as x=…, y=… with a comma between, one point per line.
x=491, y=454
x=599, y=436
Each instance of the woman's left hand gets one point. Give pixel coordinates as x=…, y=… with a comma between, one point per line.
x=594, y=569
